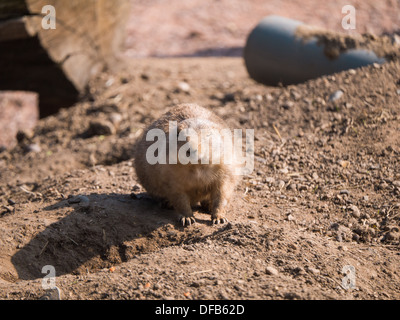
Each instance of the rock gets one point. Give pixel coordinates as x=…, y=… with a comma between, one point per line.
x=229, y=97
x=291, y=296
x=197, y=284
x=344, y=163
x=335, y=96
x=145, y=76
x=110, y=82
x=34, y=147
x=157, y=287
x=292, y=187
x=281, y=184
x=52, y=294
x=396, y=183
x=101, y=127
x=395, y=39
x=290, y=217
x=24, y=136
x=355, y=237
x=355, y=211
x=302, y=188
x=299, y=271
x=269, y=180
x=374, y=167
x=287, y=105
x=314, y=271
x=83, y=201
x=8, y=208
x=392, y=235
x=218, y=283
x=183, y=86
x=271, y=271
x=284, y=170
x=115, y=118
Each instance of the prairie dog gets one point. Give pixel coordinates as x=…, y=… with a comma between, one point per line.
x=183, y=184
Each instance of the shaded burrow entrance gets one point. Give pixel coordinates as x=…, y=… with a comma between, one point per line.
x=29, y=68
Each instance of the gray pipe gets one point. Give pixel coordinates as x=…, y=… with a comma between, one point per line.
x=273, y=54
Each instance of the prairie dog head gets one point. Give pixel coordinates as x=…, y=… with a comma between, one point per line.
x=201, y=141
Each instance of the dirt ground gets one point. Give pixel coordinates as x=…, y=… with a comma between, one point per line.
x=324, y=195
x=325, y=192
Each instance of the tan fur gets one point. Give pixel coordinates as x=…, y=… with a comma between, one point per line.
x=183, y=186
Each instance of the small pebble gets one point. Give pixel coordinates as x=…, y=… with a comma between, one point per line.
x=302, y=188
x=392, y=235
x=83, y=201
x=115, y=118
x=52, y=294
x=287, y=105
x=8, y=208
x=336, y=95
x=355, y=211
x=271, y=271
x=314, y=271
x=290, y=217
x=183, y=86
x=101, y=127
x=396, y=183
x=33, y=148
x=269, y=180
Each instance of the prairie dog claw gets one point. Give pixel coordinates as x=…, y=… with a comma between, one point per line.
x=186, y=221
x=219, y=220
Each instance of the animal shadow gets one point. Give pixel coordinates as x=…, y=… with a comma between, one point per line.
x=102, y=230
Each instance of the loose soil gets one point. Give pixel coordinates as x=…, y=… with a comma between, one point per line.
x=335, y=43
x=324, y=194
